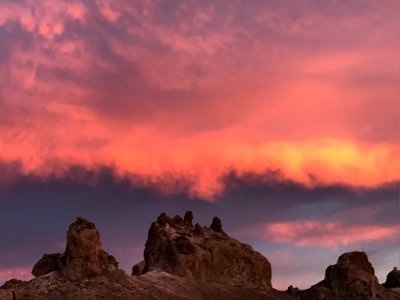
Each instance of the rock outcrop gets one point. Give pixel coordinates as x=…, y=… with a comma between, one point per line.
x=84, y=256
x=392, y=279
x=209, y=265
x=352, y=277
x=203, y=253
x=138, y=268
x=48, y=263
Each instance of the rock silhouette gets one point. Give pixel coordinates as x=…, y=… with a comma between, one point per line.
x=183, y=262
x=205, y=254
x=352, y=277
x=83, y=256
x=393, y=279
x=48, y=263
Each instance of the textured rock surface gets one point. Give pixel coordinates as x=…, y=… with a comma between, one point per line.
x=393, y=279
x=352, y=277
x=138, y=268
x=203, y=254
x=185, y=248
x=84, y=256
x=151, y=286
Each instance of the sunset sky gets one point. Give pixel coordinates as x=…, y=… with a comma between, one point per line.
x=281, y=117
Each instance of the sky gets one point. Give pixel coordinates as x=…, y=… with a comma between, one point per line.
x=281, y=117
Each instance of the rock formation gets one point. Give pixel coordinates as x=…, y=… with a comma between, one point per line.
x=86, y=271
x=352, y=277
x=392, y=279
x=83, y=257
x=205, y=254
x=209, y=265
x=138, y=268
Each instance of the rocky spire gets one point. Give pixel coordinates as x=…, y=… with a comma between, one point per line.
x=84, y=256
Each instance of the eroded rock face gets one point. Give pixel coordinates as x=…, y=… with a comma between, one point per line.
x=392, y=279
x=84, y=256
x=352, y=277
x=203, y=253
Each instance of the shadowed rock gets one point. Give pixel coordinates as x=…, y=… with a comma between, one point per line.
x=46, y=264
x=216, y=224
x=138, y=268
x=188, y=218
x=203, y=254
x=392, y=279
x=352, y=277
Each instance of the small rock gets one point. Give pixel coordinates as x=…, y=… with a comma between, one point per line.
x=216, y=224
x=178, y=219
x=197, y=229
x=138, y=268
x=188, y=218
x=392, y=279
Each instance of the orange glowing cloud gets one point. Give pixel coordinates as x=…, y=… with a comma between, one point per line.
x=192, y=92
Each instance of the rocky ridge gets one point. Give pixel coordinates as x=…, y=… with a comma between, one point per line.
x=184, y=261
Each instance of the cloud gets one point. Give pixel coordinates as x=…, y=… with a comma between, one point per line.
x=195, y=90
x=307, y=233
x=20, y=273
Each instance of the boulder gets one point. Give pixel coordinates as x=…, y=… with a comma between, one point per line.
x=48, y=263
x=392, y=279
x=203, y=253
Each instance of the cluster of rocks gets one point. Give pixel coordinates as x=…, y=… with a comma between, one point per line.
x=185, y=261
x=176, y=246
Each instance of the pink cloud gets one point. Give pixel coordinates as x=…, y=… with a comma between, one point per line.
x=307, y=233
x=22, y=273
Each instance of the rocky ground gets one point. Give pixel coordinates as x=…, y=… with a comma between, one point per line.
x=185, y=261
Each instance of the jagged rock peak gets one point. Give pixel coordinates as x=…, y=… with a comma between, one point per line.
x=216, y=225
x=393, y=279
x=81, y=224
x=357, y=259
x=202, y=253
x=188, y=218
x=84, y=256
x=352, y=277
